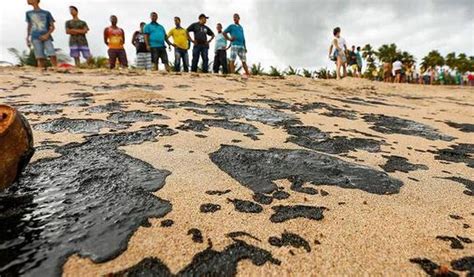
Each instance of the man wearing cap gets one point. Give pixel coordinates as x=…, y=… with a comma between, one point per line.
x=201, y=43
x=238, y=48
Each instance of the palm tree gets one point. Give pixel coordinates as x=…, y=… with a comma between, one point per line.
x=407, y=59
x=388, y=53
x=275, y=72
x=291, y=71
x=257, y=69
x=368, y=53
x=451, y=60
x=463, y=63
x=307, y=73
x=433, y=59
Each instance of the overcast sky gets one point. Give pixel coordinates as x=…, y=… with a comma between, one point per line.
x=278, y=32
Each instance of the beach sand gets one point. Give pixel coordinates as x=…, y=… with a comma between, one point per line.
x=364, y=230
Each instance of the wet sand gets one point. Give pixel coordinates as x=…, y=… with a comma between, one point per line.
x=305, y=177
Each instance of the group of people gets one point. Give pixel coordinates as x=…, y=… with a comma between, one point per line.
x=150, y=41
x=343, y=57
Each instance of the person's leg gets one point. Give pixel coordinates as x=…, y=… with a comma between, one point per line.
x=140, y=63
x=233, y=56
x=338, y=68
x=38, y=48
x=177, y=60
x=86, y=54
x=122, y=56
x=185, y=57
x=50, y=52
x=112, y=58
x=223, y=62
x=75, y=54
x=164, y=58
x=195, y=61
x=216, y=65
x=205, y=59
x=243, y=58
x=154, y=57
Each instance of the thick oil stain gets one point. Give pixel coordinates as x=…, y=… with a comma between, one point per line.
x=41, y=109
x=284, y=213
x=332, y=111
x=87, y=201
x=312, y=138
x=202, y=126
x=463, y=127
x=395, y=125
x=397, y=163
x=262, y=198
x=466, y=182
x=245, y=206
x=106, y=108
x=457, y=153
x=237, y=234
x=258, y=169
x=456, y=242
x=297, y=184
x=251, y=113
x=290, y=239
x=206, y=263
x=218, y=192
x=196, y=235
x=77, y=126
x=129, y=86
x=209, y=208
x=464, y=264
x=134, y=116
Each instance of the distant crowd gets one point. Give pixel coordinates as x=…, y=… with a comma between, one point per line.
x=392, y=71
x=151, y=42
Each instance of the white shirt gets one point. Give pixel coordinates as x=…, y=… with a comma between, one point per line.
x=397, y=65
x=341, y=42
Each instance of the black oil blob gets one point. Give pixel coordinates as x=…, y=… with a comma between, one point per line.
x=466, y=182
x=218, y=192
x=274, y=104
x=290, y=239
x=455, y=242
x=463, y=127
x=167, y=223
x=257, y=169
x=80, y=102
x=312, y=138
x=206, y=263
x=193, y=125
x=209, y=208
x=262, y=198
x=134, y=116
x=397, y=163
x=297, y=185
x=106, y=108
x=458, y=153
x=40, y=109
x=245, y=206
x=280, y=195
x=128, y=86
x=394, y=125
x=431, y=268
x=464, y=264
x=332, y=111
x=201, y=126
x=284, y=213
x=87, y=201
x=76, y=126
x=250, y=113
x=196, y=235
x=234, y=235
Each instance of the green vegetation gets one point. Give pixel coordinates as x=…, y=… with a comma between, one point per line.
x=274, y=72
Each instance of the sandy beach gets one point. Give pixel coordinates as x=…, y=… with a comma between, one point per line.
x=194, y=174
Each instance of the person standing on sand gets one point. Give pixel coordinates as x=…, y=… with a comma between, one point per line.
x=40, y=28
x=114, y=38
x=238, y=45
x=397, y=68
x=387, y=72
x=339, y=44
x=359, y=61
x=77, y=29
x=143, y=55
x=353, y=62
x=201, y=44
x=180, y=44
x=155, y=38
x=220, y=58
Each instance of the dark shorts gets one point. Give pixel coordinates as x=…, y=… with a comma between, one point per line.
x=159, y=53
x=117, y=54
x=398, y=72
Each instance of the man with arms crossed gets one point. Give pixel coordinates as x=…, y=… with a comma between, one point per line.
x=77, y=29
x=40, y=28
x=201, y=44
x=238, y=45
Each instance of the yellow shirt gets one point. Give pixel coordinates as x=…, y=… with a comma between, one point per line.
x=180, y=37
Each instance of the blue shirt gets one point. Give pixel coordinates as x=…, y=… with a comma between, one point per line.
x=40, y=21
x=221, y=42
x=237, y=32
x=157, y=34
